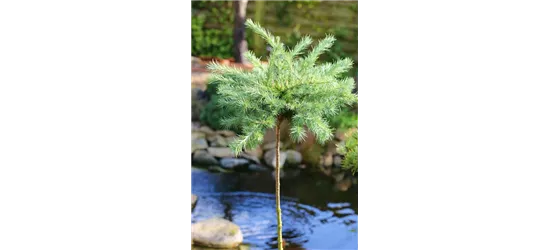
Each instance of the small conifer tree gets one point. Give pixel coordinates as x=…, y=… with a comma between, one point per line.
x=290, y=86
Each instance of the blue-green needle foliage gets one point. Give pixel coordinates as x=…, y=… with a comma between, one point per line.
x=290, y=86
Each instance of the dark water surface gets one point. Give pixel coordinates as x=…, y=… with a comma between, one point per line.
x=314, y=214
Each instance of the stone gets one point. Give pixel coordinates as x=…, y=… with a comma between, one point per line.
x=241, y=247
x=250, y=157
x=257, y=168
x=195, y=125
x=270, y=158
x=221, y=152
x=218, y=141
x=269, y=145
x=226, y=133
x=344, y=184
x=230, y=139
x=195, y=61
x=199, y=143
x=328, y=160
x=198, y=103
x=341, y=135
x=219, y=169
x=206, y=130
x=293, y=158
x=339, y=177
x=232, y=163
x=257, y=152
x=216, y=233
x=203, y=158
x=194, y=198
x=197, y=135
x=337, y=161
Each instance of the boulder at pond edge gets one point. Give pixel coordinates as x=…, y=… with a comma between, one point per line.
x=203, y=158
x=270, y=158
x=216, y=233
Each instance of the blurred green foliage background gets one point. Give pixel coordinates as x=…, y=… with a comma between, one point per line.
x=212, y=25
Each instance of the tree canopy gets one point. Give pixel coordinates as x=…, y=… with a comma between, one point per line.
x=289, y=86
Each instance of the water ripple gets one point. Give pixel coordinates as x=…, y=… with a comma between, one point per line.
x=255, y=213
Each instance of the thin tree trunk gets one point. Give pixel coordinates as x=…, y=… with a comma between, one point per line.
x=277, y=181
x=239, y=37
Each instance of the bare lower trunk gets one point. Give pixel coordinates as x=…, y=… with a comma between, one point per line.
x=277, y=181
x=239, y=37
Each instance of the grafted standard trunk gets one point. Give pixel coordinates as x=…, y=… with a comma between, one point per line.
x=277, y=183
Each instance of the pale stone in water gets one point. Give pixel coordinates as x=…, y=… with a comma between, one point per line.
x=216, y=232
x=270, y=158
x=194, y=198
x=293, y=158
x=240, y=247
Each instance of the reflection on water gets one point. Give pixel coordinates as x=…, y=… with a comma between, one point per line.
x=314, y=215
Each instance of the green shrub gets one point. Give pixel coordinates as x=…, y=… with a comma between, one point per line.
x=210, y=42
x=213, y=113
x=349, y=150
x=212, y=29
x=345, y=120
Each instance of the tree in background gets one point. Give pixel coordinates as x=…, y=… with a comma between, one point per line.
x=240, y=46
x=291, y=87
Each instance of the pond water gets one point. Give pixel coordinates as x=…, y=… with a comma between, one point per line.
x=314, y=214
